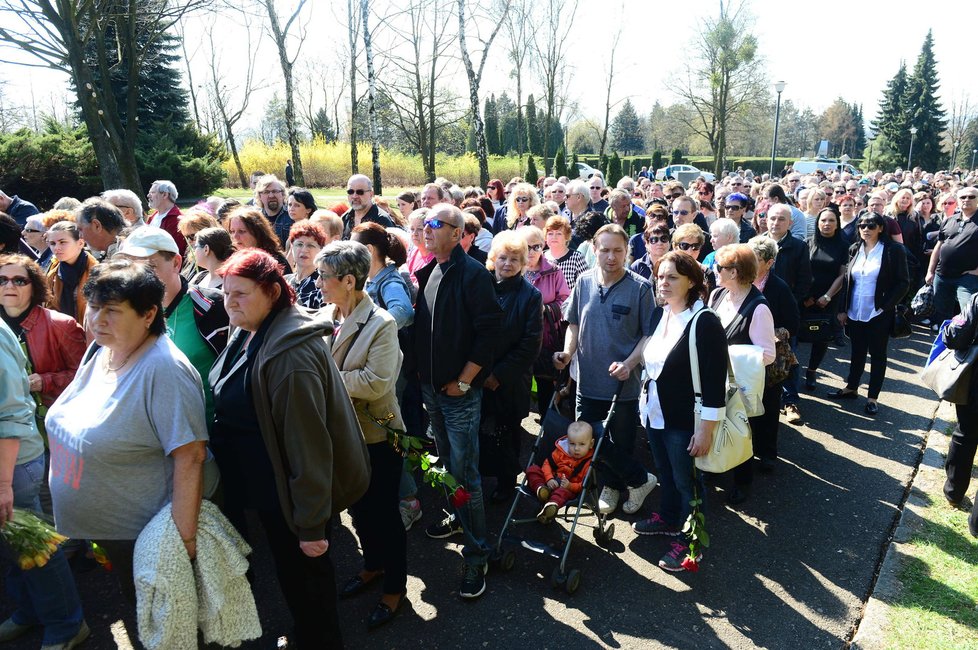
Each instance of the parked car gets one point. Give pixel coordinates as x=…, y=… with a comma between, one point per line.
x=585, y=172
x=687, y=171
x=809, y=165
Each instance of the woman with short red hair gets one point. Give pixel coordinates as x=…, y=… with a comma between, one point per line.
x=306, y=239
x=286, y=437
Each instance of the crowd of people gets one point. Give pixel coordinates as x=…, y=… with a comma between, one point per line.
x=259, y=355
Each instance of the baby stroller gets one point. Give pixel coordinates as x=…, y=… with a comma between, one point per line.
x=553, y=427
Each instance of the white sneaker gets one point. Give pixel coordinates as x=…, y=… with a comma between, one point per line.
x=636, y=495
x=410, y=512
x=608, y=500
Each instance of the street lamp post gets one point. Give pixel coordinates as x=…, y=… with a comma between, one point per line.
x=973, y=152
x=954, y=154
x=913, y=132
x=778, y=86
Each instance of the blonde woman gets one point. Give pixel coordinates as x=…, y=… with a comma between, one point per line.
x=523, y=197
x=814, y=202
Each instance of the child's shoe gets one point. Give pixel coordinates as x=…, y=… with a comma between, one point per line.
x=548, y=513
x=543, y=493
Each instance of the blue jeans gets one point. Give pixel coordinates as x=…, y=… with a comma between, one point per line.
x=675, y=467
x=790, y=385
x=45, y=595
x=455, y=427
x=949, y=290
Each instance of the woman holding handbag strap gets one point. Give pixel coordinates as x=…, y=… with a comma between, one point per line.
x=747, y=317
x=961, y=334
x=667, y=406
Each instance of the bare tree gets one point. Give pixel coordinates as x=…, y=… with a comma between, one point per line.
x=519, y=23
x=475, y=78
x=354, y=34
x=73, y=36
x=551, y=43
x=187, y=57
x=608, y=105
x=723, y=78
x=231, y=102
x=962, y=113
x=280, y=34
x=372, y=94
x=420, y=111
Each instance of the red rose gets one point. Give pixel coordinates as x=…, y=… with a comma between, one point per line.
x=460, y=497
x=690, y=564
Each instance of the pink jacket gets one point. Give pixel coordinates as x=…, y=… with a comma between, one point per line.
x=551, y=283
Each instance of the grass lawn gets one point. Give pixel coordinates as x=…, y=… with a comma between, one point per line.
x=938, y=603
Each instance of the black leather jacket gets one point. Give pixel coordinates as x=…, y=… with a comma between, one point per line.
x=893, y=281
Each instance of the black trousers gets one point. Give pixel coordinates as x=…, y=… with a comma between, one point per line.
x=377, y=519
x=764, y=434
x=872, y=337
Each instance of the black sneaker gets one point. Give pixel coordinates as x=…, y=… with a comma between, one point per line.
x=655, y=525
x=444, y=528
x=474, y=582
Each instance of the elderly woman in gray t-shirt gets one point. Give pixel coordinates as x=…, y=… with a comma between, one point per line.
x=128, y=435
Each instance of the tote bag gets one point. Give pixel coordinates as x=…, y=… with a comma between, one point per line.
x=748, y=368
x=732, y=437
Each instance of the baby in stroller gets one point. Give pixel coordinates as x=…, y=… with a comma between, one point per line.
x=560, y=477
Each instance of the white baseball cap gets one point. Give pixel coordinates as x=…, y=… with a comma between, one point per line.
x=146, y=240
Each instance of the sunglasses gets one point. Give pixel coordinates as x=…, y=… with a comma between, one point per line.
x=438, y=224
x=536, y=247
x=867, y=226
x=17, y=280
x=357, y=192
x=682, y=213
x=734, y=208
x=190, y=238
x=664, y=239
x=968, y=197
x=32, y=230
x=684, y=246
x=595, y=189
x=703, y=192
x=676, y=195
x=725, y=268
x=522, y=199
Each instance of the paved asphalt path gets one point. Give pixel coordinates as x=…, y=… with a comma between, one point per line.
x=792, y=567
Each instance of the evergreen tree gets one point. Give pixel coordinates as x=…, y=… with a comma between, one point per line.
x=556, y=135
x=322, y=126
x=534, y=140
x=626, y=130
x=925, y=111
x=860, y=139
x=677, y=157
x=492, y=126
x=531, y=176
x=560, y=163
x=572, y=170
x=656, y=161
x=603, y=166
x=614, y=170
x=892, y=126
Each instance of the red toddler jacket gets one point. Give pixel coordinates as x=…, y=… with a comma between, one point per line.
x=561, y=464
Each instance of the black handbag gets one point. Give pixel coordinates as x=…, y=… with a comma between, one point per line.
x=815, y=329
x=900, y=327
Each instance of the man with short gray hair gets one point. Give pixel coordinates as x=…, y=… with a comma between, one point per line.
x=99, y=223
x=162, y=199
x=129, y=205
x=360, y=193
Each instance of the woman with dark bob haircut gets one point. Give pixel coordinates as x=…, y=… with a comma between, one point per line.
x=249, y=228
x=667, y=407
x=286, y=436
x=144, y=446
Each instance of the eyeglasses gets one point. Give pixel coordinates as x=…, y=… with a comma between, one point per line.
x=664, y=239
x=325, y=276
x=725, y=268
x=522, y=199
x=536, y=247
x=681, y=213
x=733, y=207
x=32, y=230
x=17, y=280
x=357, y=192
x=676, y=195
x=438, y=224
x=870, y=225
x=703, y=192
x=301, y=245
x=267, y=192
x=686, y=246
x=736, y=185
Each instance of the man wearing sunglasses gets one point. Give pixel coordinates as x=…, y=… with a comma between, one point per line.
x=456, y=325
x=595, y=185
x=360, y=194
x=953, y=268
x=17, y=208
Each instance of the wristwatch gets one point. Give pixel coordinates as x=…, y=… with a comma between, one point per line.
x=462, y=386
x=827, y=299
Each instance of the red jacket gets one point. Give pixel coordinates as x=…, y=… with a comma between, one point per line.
x=56, y=343
x=169, y=222
x=565, y=466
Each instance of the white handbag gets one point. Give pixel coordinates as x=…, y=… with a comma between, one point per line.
x=748, y=368
x=732, y=436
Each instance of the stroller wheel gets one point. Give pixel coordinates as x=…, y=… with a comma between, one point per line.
x=573, y=581
x=604, y=537
x=507, y=560
x=557, y=579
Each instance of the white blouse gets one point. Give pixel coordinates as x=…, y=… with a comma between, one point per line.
x=865, y=273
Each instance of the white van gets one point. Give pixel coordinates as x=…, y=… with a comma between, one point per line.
x=809, y=165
